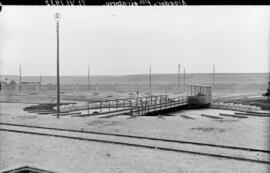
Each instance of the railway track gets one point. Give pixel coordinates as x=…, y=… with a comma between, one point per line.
x=195, y=148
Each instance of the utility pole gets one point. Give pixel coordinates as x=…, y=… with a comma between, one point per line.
x=178, y=84
x=88, y=79
x=184, y=79
x=213, y=78
x=39, y=80
x=20, y=78
x=150, y=87
x=57, y=18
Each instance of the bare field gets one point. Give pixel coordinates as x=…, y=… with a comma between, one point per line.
x=71, y=156
x=66, y=155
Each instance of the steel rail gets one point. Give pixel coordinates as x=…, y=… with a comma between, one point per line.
x=139, y=137
x=140, y=145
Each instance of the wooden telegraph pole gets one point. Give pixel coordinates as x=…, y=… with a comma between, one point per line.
x=184, y=79
x=213, y=78
x=150, y=82
x=57, y=18
x=178, y=84
x=20, y=71
x=88, y=79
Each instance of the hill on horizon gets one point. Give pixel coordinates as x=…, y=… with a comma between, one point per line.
x=202, y=78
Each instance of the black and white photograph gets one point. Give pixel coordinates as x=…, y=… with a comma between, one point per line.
x=134, y=87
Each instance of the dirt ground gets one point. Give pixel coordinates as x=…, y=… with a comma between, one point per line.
x=65, y=155
x=71, y=156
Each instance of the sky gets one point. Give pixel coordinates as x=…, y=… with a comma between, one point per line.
x=127, y=40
